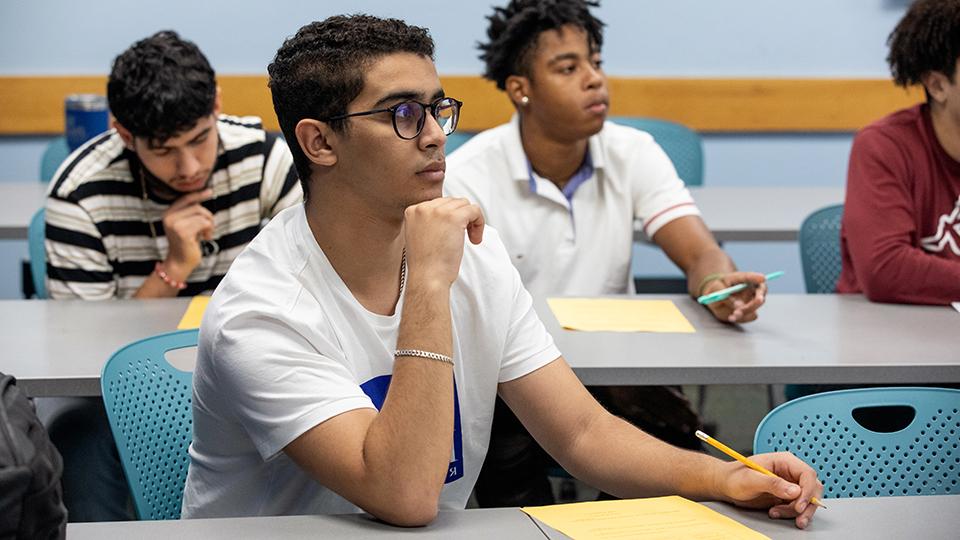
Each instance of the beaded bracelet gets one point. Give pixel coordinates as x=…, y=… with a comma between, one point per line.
x=179, y=285
x=423, y=354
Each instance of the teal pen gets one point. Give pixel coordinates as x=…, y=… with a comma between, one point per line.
x=723, y=294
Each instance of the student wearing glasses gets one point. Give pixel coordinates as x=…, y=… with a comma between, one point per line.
x=564, y=187
x=351, y=357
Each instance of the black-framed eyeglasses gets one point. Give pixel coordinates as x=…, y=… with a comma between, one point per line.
x=409, y=116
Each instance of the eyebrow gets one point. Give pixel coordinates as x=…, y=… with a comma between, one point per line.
x=199, y=136
x=406, y=95
x=562, y=57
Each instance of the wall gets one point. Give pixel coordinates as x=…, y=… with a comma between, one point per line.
x=677, y=38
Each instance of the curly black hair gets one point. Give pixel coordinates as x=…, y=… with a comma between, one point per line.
x=320, y=70
x=161, y=86
x=514, y=30
x=926, y=39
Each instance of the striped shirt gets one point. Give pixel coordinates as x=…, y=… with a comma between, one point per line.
x=99, y=240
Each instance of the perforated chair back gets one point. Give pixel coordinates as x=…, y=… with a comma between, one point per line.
x=830, y=432
x=820, y=249
x=54, y=154
x=148, y=403
x=682, y=145
x=36, y=236
x=455, y=139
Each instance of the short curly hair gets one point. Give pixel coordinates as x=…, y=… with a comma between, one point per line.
x=320, y=70
x=161, y=86
x=926, y=39
x=514, y=30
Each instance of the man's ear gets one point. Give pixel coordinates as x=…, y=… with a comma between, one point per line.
x=518, y=89
x=124, y=133
x=937, y=85
x=315, y=139
x=216, y=102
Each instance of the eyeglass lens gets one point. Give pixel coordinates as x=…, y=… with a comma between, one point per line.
x=409, y=117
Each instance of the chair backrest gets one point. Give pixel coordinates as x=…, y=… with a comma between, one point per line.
x=36, y=237
x=682, y=145
x=820, y=249
x=827, y=431
x=56, y=151
x=148, y=403
x=455, y=139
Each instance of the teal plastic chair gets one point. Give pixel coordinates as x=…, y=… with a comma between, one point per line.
x=36, y=236
x=682, y=145
x=148, y=403
x=456, y=139
x=832, y=432
x=55, y=153
x=820, y=249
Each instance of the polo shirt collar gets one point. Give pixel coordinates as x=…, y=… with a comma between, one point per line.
x=521, y=170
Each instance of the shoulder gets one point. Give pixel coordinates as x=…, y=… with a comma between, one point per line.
x=620, y=143
x=481, y=162
x=486, y=267
x=238, y=131
x=91, y=168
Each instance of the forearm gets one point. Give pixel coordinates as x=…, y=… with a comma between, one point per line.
x=712, y=260
x=407, y=448
x=624, y=461
x=909, y=275
x=155, y=287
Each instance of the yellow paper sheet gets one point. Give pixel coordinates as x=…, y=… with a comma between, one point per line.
x=194, y=314
x=656, y=518
x=619, y=315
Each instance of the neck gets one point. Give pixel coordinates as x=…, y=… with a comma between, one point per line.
x=551, y=158
x=947, y=130
x=364, y=246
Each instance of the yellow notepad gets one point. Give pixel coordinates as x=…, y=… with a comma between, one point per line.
x=619, y=315
x=657, y=517
x=194, y=314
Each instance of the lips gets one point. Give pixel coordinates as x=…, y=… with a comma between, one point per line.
x=597, y=106
x=434, y=172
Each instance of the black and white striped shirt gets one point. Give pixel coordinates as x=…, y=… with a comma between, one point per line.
x=98, y=237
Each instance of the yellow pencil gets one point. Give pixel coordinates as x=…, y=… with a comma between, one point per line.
x=743, y=459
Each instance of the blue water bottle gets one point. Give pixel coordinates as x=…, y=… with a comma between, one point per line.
x=87, y=116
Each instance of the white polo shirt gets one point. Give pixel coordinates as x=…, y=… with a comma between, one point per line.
x=577, y=243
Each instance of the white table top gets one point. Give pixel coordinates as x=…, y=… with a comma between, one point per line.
x=18, y=202
x=933, y=517
x=501, y=524
x=797, y=339
x=774, y=214
x=758, y=214
x=57, y=348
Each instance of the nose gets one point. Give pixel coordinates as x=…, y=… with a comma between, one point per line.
x=432, y=134
x=594, y=77
x=188, y=165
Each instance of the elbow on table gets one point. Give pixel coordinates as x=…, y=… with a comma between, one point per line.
x=407, y=505
x=407, y=513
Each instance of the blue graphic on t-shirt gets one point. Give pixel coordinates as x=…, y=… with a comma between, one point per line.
x=376, y=390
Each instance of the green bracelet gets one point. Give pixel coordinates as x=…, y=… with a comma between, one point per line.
x=707, y=279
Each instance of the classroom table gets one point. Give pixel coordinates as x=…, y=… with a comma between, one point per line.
x=18, y=202
x=732, y=213
x=479, y=524
x=932, y=517
x=57, y=348
x=797, y=339
x=758, y=214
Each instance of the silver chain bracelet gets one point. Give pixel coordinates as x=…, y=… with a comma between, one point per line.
x=423, y=354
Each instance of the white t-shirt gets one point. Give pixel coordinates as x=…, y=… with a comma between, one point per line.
x=580, y=246
x=284, y=345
